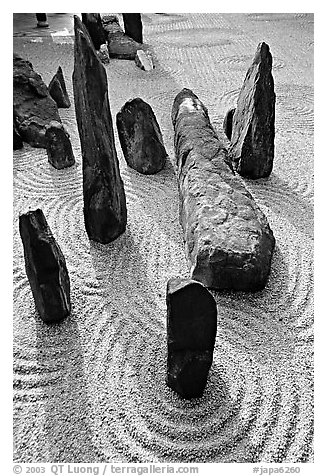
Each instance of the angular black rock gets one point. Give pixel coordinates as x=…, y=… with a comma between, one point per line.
x=140, y=137
x=94, y=26
x=59, y=148
x=133, y=26
x=17, y=140
x=45, y=267
x=228, y=239
x=34, y=108
x=119, y=44
x=58, y=91
x=191, y=333
x=252, y=141
x=228, y=122
x=105, y=213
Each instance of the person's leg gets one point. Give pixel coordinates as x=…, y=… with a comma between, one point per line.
x=42, y=20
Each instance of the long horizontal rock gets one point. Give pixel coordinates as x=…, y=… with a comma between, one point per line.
x=120, y=45
x=228, y=239
x=34, y=108
x=191, y=334
x=105, y=213
x=45, y=267
x=253, y=129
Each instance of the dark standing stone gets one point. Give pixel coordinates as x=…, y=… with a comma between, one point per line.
x=45, y=267
x=18, y=143
x=59, y=148
x=133, y=26
x=228, y=239
x=105, y=211
x=228, y=123
x=58, y=91
x=119, y=44
x=191, y=334
x=140, y=137
x=252, y=142
x=94, y=26
x=34, y=108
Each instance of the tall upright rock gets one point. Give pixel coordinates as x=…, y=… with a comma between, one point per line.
x=105, y=211
x=94, y=26
x=133, y=26
x=253, y=130
x=191, y=334
x=228, y=239
x=34, y=108
x=45, y=267
x=57, y=89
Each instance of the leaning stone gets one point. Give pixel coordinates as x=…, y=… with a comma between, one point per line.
x=59, y=148
x=103, y=54
x=119, y=44
x=133, y=26
x=45, y=267
x=228, y=239
x=105, y=213
x=140, y=137
x=252, y=141
x=58, y=91
x=34, y=108
x=143, y=60
x=17, y=140
x=94, y=26
x=228, y=122
x=191, y=334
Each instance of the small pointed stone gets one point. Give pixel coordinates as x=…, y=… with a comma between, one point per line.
x=143, y=60
x=45, y=267
x=140, y=137
x=191, y=334
x=58, y=91
x=59, y=148
x=252, y=141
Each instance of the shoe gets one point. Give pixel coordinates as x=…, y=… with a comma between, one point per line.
x=42, y=24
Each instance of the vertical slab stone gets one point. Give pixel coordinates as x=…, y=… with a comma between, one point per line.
x=140, y=137
x=133, y=26
x=94, y=26
x=191, y=334
x=58, y=91
x=34, y=108
x=228, y=239
x=252, y=141
x=45, y=267
x=59, y=148
x=105, y=211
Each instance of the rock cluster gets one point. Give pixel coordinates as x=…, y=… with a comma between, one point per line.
x=34, y=108
x=140, y=137
x=105, y=213
x=191, y=333
x=45, y=267
x=119, y=44
x=228, y=239
x=58, y=145
x=58, y=91
x=252, y=141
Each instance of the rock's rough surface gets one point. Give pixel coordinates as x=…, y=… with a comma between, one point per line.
x=252, y=141
x=119, y=44
x=191, y=334
x=58, y=91
x=59, y=148
x=103, y=54
x=140, y=137
x=45, y=267
x=228, y=122
x=94, y=26
x=105, y=211
x=133, y=26
x=17, y=140
x=228, y=239
x=34, y=108
x=143, y=60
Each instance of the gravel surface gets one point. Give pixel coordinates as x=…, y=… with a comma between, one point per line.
x=92, y=388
